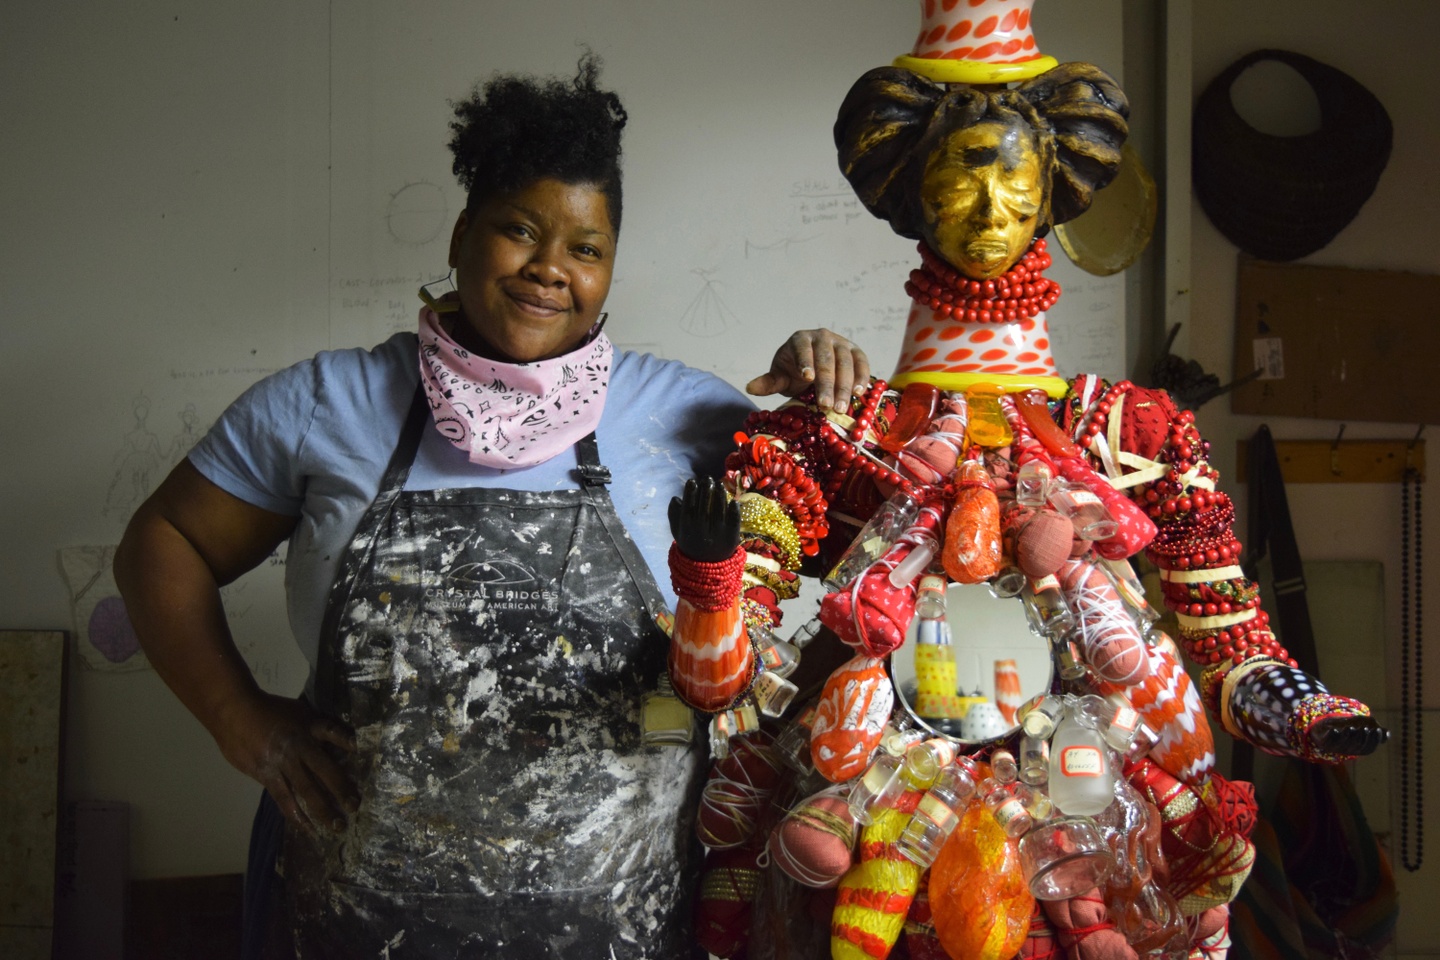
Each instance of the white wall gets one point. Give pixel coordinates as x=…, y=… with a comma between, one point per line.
x=1389, y=47
x=196, y=193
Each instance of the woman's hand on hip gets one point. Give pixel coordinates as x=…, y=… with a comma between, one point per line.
x=294, y=753
x=837, y=368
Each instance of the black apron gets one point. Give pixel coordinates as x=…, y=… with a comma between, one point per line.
x=490, y=649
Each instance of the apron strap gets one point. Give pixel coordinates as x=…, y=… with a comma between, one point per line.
x=397, y=471
x=594, y=475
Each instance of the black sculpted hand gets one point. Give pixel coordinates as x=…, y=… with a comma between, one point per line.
x=1348, y=736
x=705, y=525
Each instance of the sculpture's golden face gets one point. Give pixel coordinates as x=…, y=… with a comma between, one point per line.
x=981, y=196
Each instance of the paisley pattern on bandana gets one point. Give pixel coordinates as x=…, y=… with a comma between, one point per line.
x=507, y=415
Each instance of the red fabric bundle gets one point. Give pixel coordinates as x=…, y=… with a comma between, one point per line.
x=920, y=938
x=870, y=614
x=1040, y=944
x=1146, y=426
x=1206, y=835
x=1135, y=529
x=728, y=884
x=737, y=794
x=1084, y=930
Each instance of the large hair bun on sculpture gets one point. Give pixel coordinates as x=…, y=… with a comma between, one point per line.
x=1087, y=113
x=878, y=132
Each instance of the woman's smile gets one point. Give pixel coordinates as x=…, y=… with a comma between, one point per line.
x=536, y=305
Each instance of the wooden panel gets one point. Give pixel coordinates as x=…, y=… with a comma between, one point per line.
x=32, y=688
x=92, y=876
x=178, y=918
x=1349, y=461
x=1336, y=343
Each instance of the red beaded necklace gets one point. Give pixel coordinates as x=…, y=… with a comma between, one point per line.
x=1018, y=294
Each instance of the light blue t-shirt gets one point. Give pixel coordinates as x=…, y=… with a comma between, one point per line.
x=313, y=441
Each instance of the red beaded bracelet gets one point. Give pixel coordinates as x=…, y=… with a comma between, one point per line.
x=707, y=585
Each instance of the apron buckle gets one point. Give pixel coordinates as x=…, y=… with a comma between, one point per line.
x=594, y=474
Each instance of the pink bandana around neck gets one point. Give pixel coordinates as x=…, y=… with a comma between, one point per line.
x=508, y=415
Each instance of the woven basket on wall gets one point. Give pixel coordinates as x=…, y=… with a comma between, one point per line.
x=1281, y=198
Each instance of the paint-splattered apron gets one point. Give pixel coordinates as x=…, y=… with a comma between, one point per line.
x=490, y=648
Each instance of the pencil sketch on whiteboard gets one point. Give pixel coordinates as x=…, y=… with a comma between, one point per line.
x=417, y=214
x=707, y=315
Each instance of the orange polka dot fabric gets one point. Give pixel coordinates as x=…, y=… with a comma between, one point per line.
x=991, y=31
x=935, y=343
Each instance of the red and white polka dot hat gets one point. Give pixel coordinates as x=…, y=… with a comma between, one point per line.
x=976, y=41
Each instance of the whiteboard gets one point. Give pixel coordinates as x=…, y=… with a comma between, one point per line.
x=197, y=194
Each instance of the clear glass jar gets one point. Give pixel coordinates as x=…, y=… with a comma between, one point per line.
x=1045, y=605
x=939, y=812
x=1007, y=809
x=1081, y=782
x=1064, y=858
x=879, y=534
x=1034, y=760
x=1085, y=511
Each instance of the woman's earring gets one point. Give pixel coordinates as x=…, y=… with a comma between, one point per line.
x=447, y=302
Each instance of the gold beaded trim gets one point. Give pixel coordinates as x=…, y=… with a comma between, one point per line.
x=763, y=516
x=732, y=884
x=783, y=589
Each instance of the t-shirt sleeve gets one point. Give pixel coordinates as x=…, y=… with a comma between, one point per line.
x=708, y=423
x=253, y=450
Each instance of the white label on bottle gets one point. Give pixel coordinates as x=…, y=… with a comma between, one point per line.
x=1082, y=761
x=1008, y=811
x=936, y=809
x=1047, y=582
x=1083, y=498
x=1125, y=718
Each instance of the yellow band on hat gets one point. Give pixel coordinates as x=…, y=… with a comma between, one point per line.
x=1055, y=387
x=974, y=71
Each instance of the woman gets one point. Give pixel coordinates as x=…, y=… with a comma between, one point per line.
x=465, y=775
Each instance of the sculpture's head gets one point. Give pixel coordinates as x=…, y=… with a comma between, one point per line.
x=980, y=172
x=981, y=195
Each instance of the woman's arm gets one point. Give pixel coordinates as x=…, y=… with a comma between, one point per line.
x=185, y=542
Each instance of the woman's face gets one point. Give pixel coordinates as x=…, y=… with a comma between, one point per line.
x=533, y=269
x=980, y=196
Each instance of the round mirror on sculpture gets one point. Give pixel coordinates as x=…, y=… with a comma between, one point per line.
x=969, y=663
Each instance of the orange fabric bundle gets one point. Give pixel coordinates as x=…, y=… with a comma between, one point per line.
x=978, y=895
x=711, y=660
x=850, y=718
x=972, y=534
x=1169, y=703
